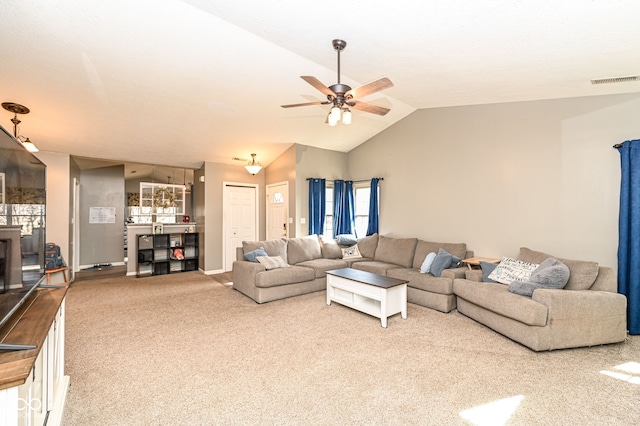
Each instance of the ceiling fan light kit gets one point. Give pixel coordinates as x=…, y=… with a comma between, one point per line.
x=342, y=97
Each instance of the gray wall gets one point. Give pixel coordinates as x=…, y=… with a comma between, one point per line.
x=537, y=174
x=102, y=243
x=283, y=169
x=319, y=163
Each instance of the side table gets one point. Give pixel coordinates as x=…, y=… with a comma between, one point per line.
x=475, y=261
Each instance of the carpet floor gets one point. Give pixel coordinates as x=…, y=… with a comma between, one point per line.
x=187, y=349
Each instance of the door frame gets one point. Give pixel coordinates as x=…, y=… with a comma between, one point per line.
x=266, y=207
x=225, y=195
x=75, y=230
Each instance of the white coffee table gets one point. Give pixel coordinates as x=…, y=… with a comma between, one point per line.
x=366, y=292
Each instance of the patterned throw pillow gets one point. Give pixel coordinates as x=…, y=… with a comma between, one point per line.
x=272, y=262
x=351, y=252
x=509, y=270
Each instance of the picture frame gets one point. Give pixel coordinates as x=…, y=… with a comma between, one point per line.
x=158, y=228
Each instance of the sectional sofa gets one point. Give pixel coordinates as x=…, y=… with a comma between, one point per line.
x=309, y=258
x=587, y=312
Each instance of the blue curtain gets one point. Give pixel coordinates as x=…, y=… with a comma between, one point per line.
x=372, y=227
x=343, y=208
x=629, y=231
x=317, y=205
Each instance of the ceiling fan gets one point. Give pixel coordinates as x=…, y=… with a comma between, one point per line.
x=343, y=97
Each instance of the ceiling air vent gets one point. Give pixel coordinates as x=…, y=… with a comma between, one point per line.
x=238, y=159
x=615, y=79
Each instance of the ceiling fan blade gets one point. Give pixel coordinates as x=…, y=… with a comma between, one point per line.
x=374, y=109
x=369, y=88
x=305, y=104
x=318, y=85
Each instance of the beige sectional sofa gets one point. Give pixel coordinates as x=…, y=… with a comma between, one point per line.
x=309, y=259
x=587, y=312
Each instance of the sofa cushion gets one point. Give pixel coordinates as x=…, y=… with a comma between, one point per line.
x=399, y=251
x=509, y=270
x=272, y=262
x=251, y=256
x=425, y=247
x=582, y=273
x=302, y=249
x=272, y=247
x=283, y=276
x=321, y=266
x=368, y=245
x=330, y=249
x=550, y=274
x=498, y=298
x=374, y=266
x=420, y=281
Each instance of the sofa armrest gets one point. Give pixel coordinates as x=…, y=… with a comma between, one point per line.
x=454, y=273
x=473, y=275
x=565, y=304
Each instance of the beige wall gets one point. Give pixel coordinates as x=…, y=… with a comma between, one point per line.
x=319, y=163
x=537, y=174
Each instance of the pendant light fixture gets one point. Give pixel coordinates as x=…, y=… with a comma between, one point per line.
x=19, y=109
x=253, y=166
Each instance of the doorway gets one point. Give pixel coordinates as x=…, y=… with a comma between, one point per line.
x=277, y=210
x=240, y=218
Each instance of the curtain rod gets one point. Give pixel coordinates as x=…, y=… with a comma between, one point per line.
x=354, y=181
x=618, y=145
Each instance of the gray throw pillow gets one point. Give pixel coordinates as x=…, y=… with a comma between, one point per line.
x=487, y=269
x=252, y=256
x=346, y=240
x=440, y=263
x=550, y=274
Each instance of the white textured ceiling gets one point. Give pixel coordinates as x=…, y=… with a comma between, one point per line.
x=181, y=82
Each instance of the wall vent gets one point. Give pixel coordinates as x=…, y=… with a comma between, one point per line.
x=615, y=79
x=238, y=159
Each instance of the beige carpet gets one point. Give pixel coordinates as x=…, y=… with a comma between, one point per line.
x=188, y=350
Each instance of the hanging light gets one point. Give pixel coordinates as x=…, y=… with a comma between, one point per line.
x=28, y=144
x=253, y=167
x=19, y=109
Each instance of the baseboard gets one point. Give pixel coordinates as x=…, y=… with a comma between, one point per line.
x=110, y=263
x=216, y=271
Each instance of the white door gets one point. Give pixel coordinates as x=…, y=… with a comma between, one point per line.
x=277, y=210
x=241, y=218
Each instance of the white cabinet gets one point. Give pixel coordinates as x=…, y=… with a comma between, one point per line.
x=40, y=399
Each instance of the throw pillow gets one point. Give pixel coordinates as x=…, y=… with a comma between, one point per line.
x=346, y=239
x=455, y=261
x=330, y=249
x=351, y=252
x=509, y=270
x=487, y=268
x=252, y=255
x=441, y=262
x=272, y=262
x=550, y=274
x=426, y=265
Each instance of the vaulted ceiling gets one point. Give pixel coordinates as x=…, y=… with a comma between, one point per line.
x=179, y=82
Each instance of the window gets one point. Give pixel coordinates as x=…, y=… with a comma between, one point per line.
x=328, y=218
x=361, y=192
